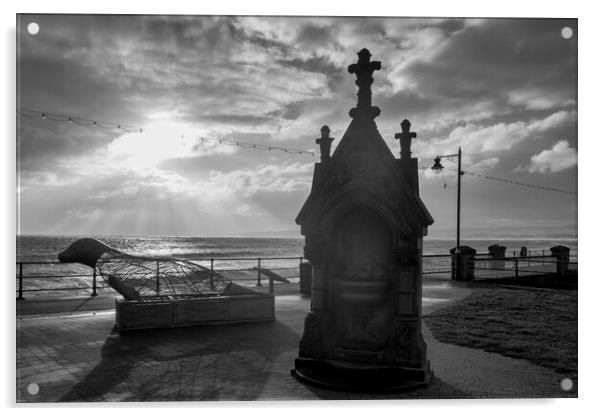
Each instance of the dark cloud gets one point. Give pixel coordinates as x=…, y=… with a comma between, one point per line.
x=320, y=64
x=312, y=36
x=500, y=56
x=42, y=142
x=450, y=26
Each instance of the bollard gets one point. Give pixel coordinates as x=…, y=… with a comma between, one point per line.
x=258, y=271
x=94, y=281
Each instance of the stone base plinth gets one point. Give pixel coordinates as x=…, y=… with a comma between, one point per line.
x=165, y=312
x=364, y=378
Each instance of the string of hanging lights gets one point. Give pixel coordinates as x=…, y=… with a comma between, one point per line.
x=108, y=125
x=126, y=128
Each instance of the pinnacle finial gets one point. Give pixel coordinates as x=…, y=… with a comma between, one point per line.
x=405, y=125
x=364, y=55
x=405, y=139
x=325, y=142
x=363, y=69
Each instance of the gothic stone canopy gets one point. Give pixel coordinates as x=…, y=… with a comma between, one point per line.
x=363, y=171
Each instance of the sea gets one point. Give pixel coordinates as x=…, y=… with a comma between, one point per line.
x=233, y=252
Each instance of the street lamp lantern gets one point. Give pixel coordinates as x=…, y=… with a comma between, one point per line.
x=438, y=167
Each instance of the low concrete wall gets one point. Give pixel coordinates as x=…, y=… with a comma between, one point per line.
x=169, y=313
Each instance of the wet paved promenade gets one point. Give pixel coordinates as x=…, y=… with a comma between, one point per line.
x=78, y=356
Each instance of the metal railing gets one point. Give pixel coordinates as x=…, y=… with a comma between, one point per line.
x=76, y=271
x=436, y=263
x=515, y=267
x=485, y=268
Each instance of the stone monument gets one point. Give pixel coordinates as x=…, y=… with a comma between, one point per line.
x=363, y=224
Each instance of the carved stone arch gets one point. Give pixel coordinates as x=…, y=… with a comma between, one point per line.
x=340, y=203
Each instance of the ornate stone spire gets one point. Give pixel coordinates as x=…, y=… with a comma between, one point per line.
x=363, y=69
x=324, y=141
x=405, y=139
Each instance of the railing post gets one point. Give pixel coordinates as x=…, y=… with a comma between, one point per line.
x=20, y=281
x=543, y=259
x=158, y=284
x=271, y=286
x=94, y=281
x=258, y=271
x=211, y=273
x=516, y=269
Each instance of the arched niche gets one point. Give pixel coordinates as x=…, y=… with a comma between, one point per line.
x=363, y=241
x=362, y=280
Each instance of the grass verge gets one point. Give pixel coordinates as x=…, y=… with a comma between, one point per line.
x=534, y=324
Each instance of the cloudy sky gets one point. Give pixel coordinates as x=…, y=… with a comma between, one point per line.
x=503, y=89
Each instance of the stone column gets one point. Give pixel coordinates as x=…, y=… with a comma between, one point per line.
x=453, y=263
x=313, y=343
x=465, y=269
x=497, y=253
x=305, y=278
x=562, y=260
x=316, y=251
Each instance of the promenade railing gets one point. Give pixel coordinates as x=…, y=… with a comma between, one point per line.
x=436, y=264
x=53, y=276
x=517, y=267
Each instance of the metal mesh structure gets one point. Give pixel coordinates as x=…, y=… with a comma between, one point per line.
x=137, y=277
x=150, y=276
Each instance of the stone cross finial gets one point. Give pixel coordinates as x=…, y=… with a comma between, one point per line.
x=324, y=141
x=405, y=139
x=363, y=69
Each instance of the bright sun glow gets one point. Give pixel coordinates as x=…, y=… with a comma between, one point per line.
x=160, y=140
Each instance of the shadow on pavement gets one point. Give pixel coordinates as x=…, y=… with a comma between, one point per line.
x=229, y=362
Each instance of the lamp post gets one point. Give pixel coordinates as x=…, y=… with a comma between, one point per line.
x=438, y=167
